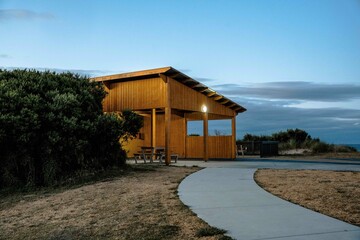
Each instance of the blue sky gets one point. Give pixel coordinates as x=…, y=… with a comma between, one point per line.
x=290, y=63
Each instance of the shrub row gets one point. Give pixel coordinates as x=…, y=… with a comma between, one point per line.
x=52, y=125
x=297, y=138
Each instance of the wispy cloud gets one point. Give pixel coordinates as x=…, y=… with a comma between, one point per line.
x=23, y=14
x=331, y=124
x=4, y=56
x=306, y=91
x=278, y=106
x=204, y=80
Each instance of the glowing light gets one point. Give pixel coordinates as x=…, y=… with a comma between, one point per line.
x=204, y=108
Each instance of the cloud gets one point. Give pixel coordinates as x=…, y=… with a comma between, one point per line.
x=4, y=56
x=84, y=72
x=23, y=14
x=302, y=91
x=204, y=80
x=338, y=125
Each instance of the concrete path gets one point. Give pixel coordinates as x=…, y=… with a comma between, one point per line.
x=226, y=196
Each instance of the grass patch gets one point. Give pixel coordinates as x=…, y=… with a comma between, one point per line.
x=333, y=193
x=10, y=196
x=139, y=202
x=209, y=231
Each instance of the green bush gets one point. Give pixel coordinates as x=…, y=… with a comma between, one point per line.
x=209, y=231
x=52, y=125
x=321, y=147
x=297, y=138
x=344, y=149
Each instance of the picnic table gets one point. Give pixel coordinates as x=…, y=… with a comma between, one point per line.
x=149, y=153
x=152, y=153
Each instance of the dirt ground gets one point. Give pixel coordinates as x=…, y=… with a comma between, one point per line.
x=333, y=193
x=302, y=155
x=140, y=205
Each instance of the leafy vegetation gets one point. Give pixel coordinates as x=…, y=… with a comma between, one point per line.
x=210, y=231
x=52, y=125
x=297, y=138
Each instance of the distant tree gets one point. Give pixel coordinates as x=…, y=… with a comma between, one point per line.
x=295, y=138
x=218, y=133
x=194, y=135
x=249, y=137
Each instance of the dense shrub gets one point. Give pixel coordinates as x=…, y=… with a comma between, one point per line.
x=297, y=138
x=344, y=149
x=292, y=138
x=52, y=125
x=321, y=147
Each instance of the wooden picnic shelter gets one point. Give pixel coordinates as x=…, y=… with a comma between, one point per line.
x=167, y=99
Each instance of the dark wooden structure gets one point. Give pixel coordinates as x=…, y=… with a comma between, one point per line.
x=167, y=99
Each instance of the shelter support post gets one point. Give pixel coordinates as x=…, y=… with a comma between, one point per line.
x=186, y=134
x=206, y=126
x=153, y=127
x=167, y=119
x=167, y=135
x=233, y=135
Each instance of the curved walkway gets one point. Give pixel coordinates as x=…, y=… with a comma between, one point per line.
x=226, y=196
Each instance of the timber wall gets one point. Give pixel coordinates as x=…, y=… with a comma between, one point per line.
x=177, y=137
x=218, y=147
x=136, y=95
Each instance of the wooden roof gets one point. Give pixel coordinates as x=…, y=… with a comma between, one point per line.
x=178, y=76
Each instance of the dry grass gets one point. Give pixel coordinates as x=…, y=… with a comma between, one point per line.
x=138, y=205
x=333, y=193
x=330, y=155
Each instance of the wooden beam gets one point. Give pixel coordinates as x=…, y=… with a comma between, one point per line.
x=233, y=128
x=206, y=126
x=199, y=86
x=188, y=80
x=211, y=94
x=175, y=75
x=186, y=123
x=218, y=98
x=107, y=86
x=167, y=123
x=225, y=102
x=167, y=135
x=153, y=127
x=143, y=114
x=132, y=74
x=203, y=90
x=232, y=105
x=163, y=77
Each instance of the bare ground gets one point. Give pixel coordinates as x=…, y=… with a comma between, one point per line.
x=301, y=154
x=139, y=205
x=333, y=193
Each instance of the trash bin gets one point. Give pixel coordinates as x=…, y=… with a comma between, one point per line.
x=269, y=148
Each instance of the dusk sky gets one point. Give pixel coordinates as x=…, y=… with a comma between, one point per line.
x=292, y=64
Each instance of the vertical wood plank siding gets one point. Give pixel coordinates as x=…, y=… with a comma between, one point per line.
x=185, y=98
x=194, y=147
x=135, y=95
x=177, y=138
x=218, y=147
